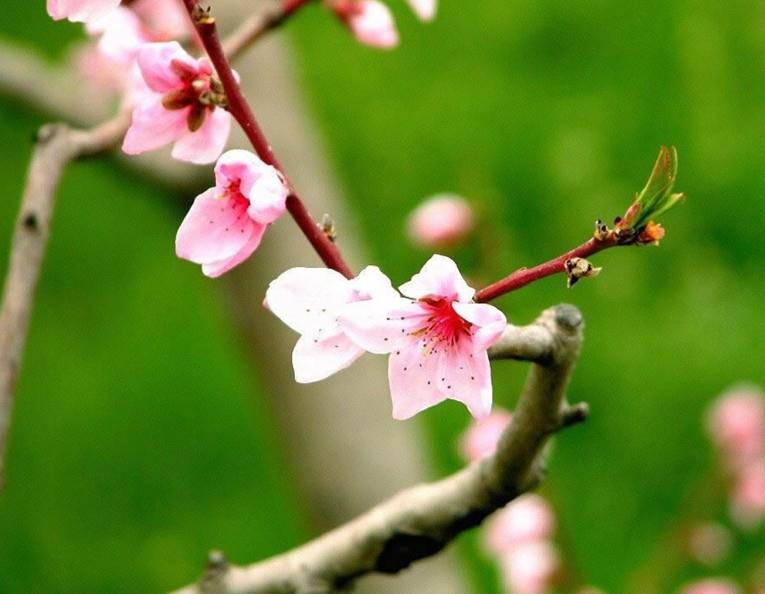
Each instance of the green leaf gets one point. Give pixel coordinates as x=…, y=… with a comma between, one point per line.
x=656, y=197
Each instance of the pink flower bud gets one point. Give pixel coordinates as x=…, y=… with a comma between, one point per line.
x=481, y=438
x=736, y=423
x=710, y=543
x=531, y=568
x=711, y=586
x=370, y=21
x=441, y=221
x=527, y=519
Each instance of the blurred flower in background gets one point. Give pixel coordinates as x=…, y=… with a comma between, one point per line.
x=736, y=425
x=441, y=221
x=711, y=586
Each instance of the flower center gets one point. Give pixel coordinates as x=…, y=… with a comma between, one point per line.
x=200, y=91
x=444, y=324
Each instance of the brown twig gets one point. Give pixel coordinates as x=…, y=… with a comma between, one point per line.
x=419, y=522
x=57, y=145
x=240, y=109
x=524, y=276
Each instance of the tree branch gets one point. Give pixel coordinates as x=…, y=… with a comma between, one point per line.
x=421, y=521
x=57, y=145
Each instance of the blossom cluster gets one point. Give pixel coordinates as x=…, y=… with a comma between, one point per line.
x=521, y=536
x=736, y=424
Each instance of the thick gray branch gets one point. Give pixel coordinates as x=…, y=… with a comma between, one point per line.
x=420, y=521
x=56, y=146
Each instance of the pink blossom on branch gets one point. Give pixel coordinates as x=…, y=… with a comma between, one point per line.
x=227, y=222
x=736, y=423
x=309, y=300
x=80, y=10
x=182, y=105
x=531, y=568
x=370, y=21
x=529, y=518
x=437, y=340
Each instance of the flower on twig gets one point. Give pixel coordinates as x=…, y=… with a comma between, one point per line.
x=370, y=21
x=183, y=104
x=309, y=301
x=226, y=223
x=437, y=339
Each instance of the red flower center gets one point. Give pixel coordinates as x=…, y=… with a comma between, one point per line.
x=444, y=324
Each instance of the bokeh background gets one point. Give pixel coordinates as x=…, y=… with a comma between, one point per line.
x=141, y=438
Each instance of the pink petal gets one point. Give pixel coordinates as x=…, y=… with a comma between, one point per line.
x=306, y=299
x=315, y=359
x=372, y=24
x=439, y=277
x=482, y=437
x=466, y=377
x=155, y=61
x=259, y=182
x=371, y=283
x=489, y=323
x=215, y=230
x=216, y=269
x=206, y=144
x=413, y=381
x=80, y=10
x=424, y=9
x=121, y=35
x=153, y=126
x=382, y=326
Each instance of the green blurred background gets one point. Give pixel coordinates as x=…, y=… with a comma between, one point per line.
x=137, y=444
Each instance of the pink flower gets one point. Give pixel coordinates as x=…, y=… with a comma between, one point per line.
x=227, y=222
x=711, y=586
x=736, y=423
x=370, y=21
x=182, y=105
x=482, y=437
x=531, y=568
x=437, y=340
x=424, y=9
x=80, y=10
x=748, y=496
x=529, y=518
x=308, y=301
x=441, y=221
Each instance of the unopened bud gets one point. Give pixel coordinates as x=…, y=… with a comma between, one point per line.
x=577, y=268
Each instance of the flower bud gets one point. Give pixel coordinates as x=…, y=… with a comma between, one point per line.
x=441, y=221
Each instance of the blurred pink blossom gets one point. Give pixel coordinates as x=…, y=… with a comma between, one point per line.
x=424, y=9
x=179, y=106
x=710, y=543
x=748, y=496
x=481, y=438
x=80, y=10
x=441, y=221
x=736, y=423
x=711, y=586
x=529, y=518
x=308, y=300
x=437, y=340
x=531, y=568
x=370, y=21
x=227, y=222
x=121, y=34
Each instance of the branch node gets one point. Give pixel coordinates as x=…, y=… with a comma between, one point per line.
x=568, y=317
x=574, y=414
x=213, y=578
x=30, y=221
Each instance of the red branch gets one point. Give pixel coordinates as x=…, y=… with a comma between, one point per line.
x=524, y=276
x=240, y=110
